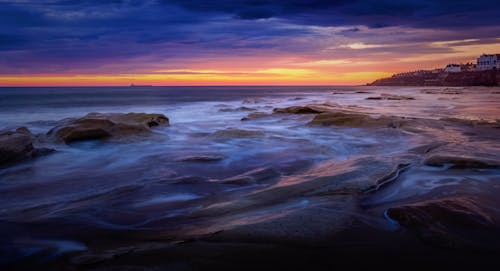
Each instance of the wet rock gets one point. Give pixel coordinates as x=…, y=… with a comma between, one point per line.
x=439, y=221
x=15, y=146
x=331, y=178
x=99, y=126
x=462, y=160
x=426, y=148
x=385, y=96
x=255, y=115
x=473, y=122
x=18, y=145
x=237, y=133
x=255, y=176
x=357, y=120
x=299, y=110
x=242, y=108
x=253, y=100
x=201, y=158
x=307, y=207
x=443, y=91
x=89, y=258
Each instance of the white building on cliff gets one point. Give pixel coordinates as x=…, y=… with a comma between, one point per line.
x=453, y=68
x=488, y=62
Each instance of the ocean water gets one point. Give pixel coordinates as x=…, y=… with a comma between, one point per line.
x=90, y=187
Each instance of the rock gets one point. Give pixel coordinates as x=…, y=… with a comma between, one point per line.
x=356, y=120
x=18, y=145
x=99, y=126
x=255, y=115
x=242, y=108
x=15, y=146
x=462, y=160
x=437, y=220
x=299, y=110
x=442, y=91
x=473, y=122
x=253, y=100
x=201, y=158
x=385, y=96
x=237, y=133
x=255, y=176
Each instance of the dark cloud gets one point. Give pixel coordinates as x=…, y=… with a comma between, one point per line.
x=373, y=13
x=73, y=34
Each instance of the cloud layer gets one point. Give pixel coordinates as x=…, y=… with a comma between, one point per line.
x=151, y=36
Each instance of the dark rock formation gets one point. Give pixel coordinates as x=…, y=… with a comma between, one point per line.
x=16, y=146
x=201, y=158
x=99, y=126
x=307, y=109
x=385, y=96
x=236, y=133
x=461, y=161
x=469, y=78
x=438, y=221
x=357, y=120
x=255, y=115
x=241, y=108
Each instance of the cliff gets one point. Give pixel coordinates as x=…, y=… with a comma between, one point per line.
x=469, y=78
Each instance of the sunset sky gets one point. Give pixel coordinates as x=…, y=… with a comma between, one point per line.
x=229, y=42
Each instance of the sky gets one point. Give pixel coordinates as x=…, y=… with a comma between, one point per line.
x=230, y=42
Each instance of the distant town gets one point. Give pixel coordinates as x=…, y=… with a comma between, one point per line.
x=485, y=72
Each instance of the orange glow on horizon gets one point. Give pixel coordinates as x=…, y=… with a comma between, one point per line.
x=271, y=76
x=264, y=68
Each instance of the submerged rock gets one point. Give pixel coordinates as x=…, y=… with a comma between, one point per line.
x=255, y=115
x=357, y=120
x=201, y=158
x=16, y=146
x=443, y=91
x=255, y=176
x=385, y=96
x=439, y=221
x=241, y=108
x=461, y=161
x=253, y=100
x=306, y=109
x=237, y=133
x=99, y=126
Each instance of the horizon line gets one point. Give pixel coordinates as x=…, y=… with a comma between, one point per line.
x=145, y=86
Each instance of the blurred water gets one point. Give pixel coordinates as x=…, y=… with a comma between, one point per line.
x=136, y=184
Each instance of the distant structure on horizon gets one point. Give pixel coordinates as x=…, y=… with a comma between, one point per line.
x=488, y=62
x=453, y=68
x=486, y=72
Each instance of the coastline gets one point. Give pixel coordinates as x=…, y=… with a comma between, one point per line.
x=316, y=180
x=450, y=79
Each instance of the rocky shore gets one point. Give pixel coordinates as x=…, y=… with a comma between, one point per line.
x=300, y=215
x=469, y=78
x=21, y=144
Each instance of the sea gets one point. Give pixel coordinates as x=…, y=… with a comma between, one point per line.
x=61, y=202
